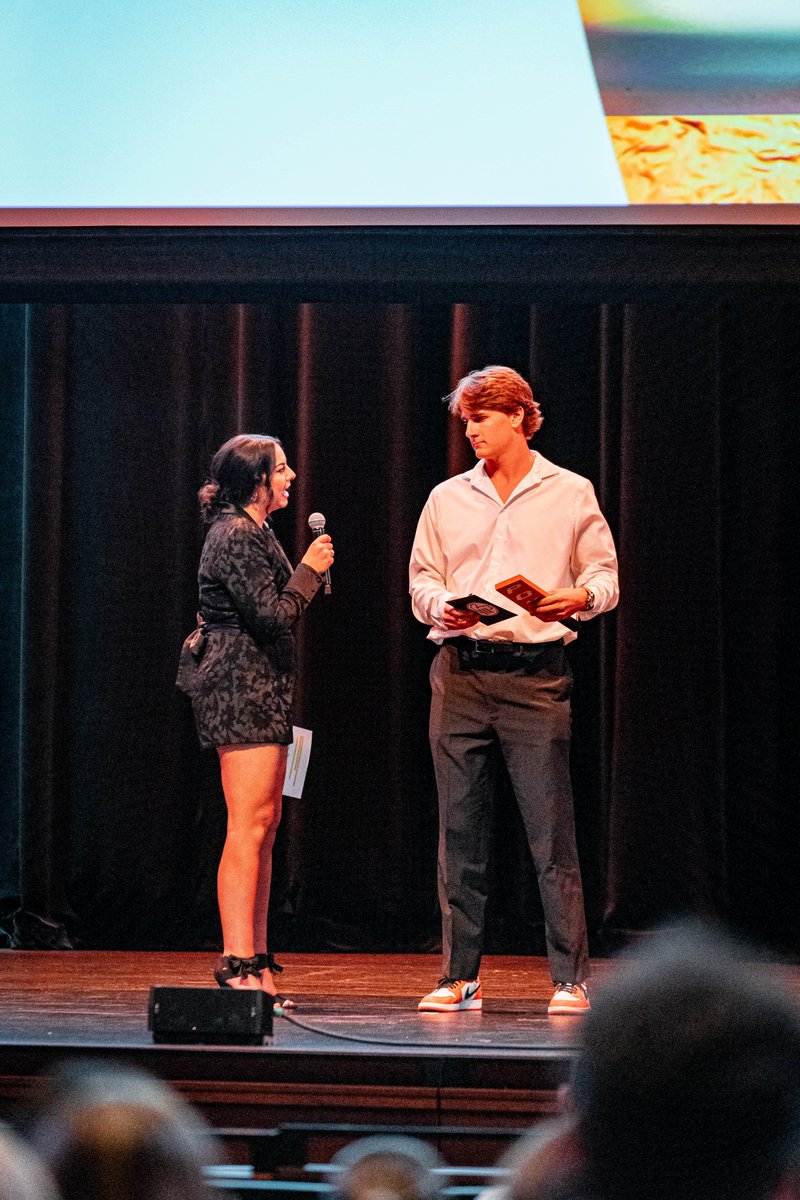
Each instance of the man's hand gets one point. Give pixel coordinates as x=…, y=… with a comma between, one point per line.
x=458, y=618
x=561, y=603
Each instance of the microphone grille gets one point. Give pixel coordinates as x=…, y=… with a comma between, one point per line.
x=316, y=521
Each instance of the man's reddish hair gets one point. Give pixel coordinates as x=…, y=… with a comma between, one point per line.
x=500, y=388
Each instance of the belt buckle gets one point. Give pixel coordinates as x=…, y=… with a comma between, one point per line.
x=500, y=647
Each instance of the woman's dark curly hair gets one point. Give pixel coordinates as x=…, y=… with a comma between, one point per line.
x=237, y=469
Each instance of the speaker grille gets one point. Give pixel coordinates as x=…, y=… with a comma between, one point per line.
x=210, y=1016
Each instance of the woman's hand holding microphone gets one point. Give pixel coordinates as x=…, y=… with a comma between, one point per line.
x=319, y=555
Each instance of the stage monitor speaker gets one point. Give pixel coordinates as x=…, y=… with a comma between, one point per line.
x=210, y=1016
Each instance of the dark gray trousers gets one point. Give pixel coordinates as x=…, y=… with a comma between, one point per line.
x=525, y=712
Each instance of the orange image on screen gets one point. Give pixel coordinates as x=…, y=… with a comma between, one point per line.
x=702, y=99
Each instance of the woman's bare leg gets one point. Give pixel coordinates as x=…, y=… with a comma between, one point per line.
x=260, y=940
x=252, y=779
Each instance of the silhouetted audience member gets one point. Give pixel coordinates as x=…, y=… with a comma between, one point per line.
x=109, y=1132
x=22, y=1175
x=688, y=1081
x=387, y=1168
x=545, y=1164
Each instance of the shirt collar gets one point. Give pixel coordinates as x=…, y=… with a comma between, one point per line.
x=540, y=469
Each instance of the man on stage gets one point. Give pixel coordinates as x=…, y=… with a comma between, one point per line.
x=506, y=685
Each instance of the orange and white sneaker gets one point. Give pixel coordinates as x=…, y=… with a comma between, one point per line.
x=568, y=1000
x=453, y=995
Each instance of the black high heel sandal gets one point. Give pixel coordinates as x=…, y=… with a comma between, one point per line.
x=267, y=962
x=230, y=967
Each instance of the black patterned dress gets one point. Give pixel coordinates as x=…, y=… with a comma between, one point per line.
x=239, y=666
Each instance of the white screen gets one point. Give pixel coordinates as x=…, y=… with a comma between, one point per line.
x=300, y=103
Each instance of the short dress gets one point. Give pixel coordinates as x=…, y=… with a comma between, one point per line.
x=239, y=666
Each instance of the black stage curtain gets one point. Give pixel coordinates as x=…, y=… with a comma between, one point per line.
x=683, y=413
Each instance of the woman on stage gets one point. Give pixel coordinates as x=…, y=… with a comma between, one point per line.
x=239, y=669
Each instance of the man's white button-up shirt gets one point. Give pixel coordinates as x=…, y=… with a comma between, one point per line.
x=550, y=530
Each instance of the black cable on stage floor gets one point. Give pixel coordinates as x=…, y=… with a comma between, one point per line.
x=368, y=1041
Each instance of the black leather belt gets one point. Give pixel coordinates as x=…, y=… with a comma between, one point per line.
x=526, y=658
x=477, y=648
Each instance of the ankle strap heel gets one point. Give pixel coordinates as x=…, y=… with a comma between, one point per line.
x=266, y=962
x=230, y=967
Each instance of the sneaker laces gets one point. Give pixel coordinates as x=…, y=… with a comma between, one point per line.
x=571, y=988
x=448, y=982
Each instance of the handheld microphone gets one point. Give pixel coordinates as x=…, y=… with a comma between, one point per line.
x=316, y=523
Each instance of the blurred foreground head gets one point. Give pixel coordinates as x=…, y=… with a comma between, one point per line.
x=688, y=1084
x=22, y=1175
x=387, y=1168
x=114, y=1133
x=546, y=1164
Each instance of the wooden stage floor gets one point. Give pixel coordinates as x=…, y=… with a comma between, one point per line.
x=95, y=998
x=355, y=1050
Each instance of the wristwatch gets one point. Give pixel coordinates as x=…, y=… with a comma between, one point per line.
x=590, y=600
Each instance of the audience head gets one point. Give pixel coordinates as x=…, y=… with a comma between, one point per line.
x=387, y=1168
x=109, y=1132
x=22, y=1175
x=688, y=1083
x=546, y=1164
